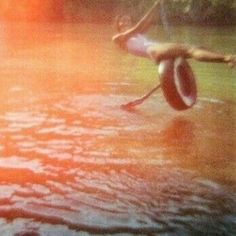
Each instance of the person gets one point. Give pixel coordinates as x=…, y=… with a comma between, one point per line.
x=132, y=39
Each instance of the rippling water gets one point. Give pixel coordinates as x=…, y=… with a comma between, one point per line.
x=73, y=163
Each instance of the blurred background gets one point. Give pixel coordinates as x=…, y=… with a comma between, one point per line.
x=103, y=11
x=73, y=163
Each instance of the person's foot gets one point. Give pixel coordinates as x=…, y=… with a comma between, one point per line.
x=230, y=60
x=131, y=105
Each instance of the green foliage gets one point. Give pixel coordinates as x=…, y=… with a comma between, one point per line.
x=177, y=11
x=190, y=11
x=212, y=11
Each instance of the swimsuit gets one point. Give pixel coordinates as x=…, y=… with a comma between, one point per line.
x=138, y=44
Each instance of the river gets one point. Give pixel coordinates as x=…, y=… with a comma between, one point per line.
x=72, y=162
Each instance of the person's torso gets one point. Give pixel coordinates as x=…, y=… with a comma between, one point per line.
x=138, y=45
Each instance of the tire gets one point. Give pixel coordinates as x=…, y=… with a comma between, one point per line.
x=178, y=83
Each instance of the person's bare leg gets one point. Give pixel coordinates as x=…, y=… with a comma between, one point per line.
x=139, y=101
x=165, y=51
x=205, y=55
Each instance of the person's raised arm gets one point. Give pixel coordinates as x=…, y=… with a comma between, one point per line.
x=142, y=26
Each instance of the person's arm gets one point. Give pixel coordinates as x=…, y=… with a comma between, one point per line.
x=141, y=27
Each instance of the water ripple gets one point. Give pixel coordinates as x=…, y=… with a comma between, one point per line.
x=73, y=163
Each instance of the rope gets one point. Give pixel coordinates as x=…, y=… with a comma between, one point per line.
x=164, y=21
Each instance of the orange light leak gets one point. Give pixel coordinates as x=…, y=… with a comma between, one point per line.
x=40, y=59
x=28, y=10
x=66, y=149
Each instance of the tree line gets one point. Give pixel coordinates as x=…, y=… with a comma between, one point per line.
x=176, y=11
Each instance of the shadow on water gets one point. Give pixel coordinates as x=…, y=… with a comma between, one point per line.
x=73, y=162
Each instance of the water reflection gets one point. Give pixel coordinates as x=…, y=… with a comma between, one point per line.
x=179, y=132
x=73, y=162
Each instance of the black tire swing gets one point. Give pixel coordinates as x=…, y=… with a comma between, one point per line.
x=178, y=83
x=177, y=80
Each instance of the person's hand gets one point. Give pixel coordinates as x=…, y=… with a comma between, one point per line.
x=158, y=2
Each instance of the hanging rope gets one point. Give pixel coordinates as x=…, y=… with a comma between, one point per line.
x=164, y=21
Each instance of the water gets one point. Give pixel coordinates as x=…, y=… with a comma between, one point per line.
x=73, y=163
